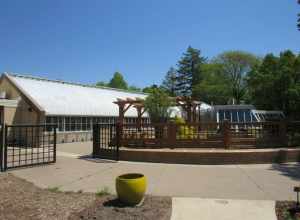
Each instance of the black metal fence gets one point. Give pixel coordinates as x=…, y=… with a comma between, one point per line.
x=106, y=141
x=27, y=145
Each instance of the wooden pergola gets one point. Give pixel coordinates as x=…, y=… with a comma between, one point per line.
x=188, y=104
x=125, y=104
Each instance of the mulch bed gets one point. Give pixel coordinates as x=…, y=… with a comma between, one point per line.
x=282, y=212
x=108, y=207
x=20, y=199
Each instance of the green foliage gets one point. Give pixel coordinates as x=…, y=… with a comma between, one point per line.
x=103, y=192
x=189, y=71
x=184, y=131
x=157, y=105
x=236, y=65
x=101, y=83
x=118, y=81
x=169, y=83
x=134, y=89
x=298, y=18
x=215, y=85
x=54, y=189
x=150, y=89
x=275, y=84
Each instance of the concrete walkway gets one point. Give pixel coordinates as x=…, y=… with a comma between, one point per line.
x=256, y=182
x=226, y=191
x=211, y=209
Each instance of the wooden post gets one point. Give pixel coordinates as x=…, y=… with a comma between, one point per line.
x=119, y=136
x=171, y=134
x=283, y=133
x=121, y=113
x=226, y=134
x=139, y=118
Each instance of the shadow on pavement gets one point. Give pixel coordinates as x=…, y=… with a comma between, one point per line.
x=96, y=160
x=290, y=170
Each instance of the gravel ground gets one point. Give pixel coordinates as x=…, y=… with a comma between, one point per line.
x=109, y=208
x=20, y=200
x=282, y=212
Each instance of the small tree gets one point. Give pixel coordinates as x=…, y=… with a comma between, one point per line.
x=158, y=104
x=118, y=81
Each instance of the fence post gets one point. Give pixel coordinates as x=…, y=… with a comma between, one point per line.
x=119, y=134
x=96, y=140
x=5, y=147
x=283, y=132
x=226, y=134
x=171, y=134
x=54, y=144
x=1, y=148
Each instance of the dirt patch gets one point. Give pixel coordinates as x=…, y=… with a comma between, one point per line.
x=108, y=207
x=282, y=212
x=22, y=200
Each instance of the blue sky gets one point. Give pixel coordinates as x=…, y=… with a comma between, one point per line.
x=86, y=41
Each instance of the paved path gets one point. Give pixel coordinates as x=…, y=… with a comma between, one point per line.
x=211, y=209
x=258, y=182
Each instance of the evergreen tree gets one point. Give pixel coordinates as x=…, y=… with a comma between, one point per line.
x=189, y=72
x=275, y=84
x=298, y=18
x=118, y=81
x=169, y=83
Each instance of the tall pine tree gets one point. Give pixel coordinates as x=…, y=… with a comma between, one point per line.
x=298, y=17
x=169, y=83
x=189, y=72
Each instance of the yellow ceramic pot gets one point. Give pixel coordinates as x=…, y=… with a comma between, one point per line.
x=131, y=188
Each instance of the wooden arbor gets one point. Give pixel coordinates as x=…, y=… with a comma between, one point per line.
x=125, y=104
x=189, y=105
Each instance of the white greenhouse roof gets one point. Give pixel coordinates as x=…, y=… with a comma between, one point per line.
x=61, y=98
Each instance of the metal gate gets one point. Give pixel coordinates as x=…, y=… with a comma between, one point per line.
x=106, y=141
x=27, y=145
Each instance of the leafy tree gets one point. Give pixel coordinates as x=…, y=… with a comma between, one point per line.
x=169, y=83
x=260, y=82
x=236, y=65
x=275, y=84
x=134, y=89
x=150, y=89
x=215, y=85
x=101, y=83
x=118, y=81
x=189, y=72
x=158, y=104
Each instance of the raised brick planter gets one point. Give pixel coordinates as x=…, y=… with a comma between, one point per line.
x=211, y=156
